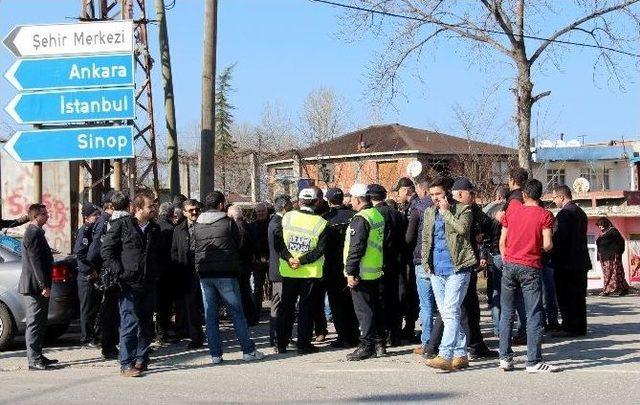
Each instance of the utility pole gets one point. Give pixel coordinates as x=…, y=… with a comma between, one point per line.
x=207, y=133
x=169, y=106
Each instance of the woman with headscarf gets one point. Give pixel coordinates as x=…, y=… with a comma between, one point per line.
x=610, y=248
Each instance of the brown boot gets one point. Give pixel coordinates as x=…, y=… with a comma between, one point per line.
x=440, y=363
x=130, y=372
x=419, y=350
x=459, y=363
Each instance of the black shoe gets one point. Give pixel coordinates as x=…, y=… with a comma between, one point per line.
x=280, y=350
x=381, y=351
x=110, y=355
x=48, y=362
x=361, y=353
x=337, y=344
x=39, y=366
x=485, y=353
x=307, y=350
x=429, y=355
x=89, y=345
x=195, y=344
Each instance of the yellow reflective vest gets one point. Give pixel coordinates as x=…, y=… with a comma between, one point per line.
x=301, y=233
x=371, y=262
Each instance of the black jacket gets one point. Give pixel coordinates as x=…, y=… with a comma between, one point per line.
x=610, y=244
x=167, y=271
x=359, y=229
x=182, y=258
x=12, y=223
x=81, y=248
x=217, y=242
x=247, y=249
x=257, y=235
x=394, y=236
x=570, y=249
x=481, y=232
x=131, y=253
x=413, y=235
x=37, y=262
x=338, y=219
x=99, y=229
x=276, y=245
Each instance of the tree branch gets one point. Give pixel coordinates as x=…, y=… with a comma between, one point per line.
x=502, y=20
x=576, y=23
x=537, y=97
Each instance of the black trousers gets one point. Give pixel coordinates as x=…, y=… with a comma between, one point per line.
x=164, y=306
x=319, y=317
x=342, y=312
x=109, y=320
x=391, y=310
x=438, y=329
x=471, y=306
x=409, y=301
x=246, y=297
x=260, y=271
x=571, y=289
x=367, y=303
x=190, y=311
x=89, y=297
x=36, y=314
x=293, y=288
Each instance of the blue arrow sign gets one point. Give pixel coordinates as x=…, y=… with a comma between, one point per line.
x=86, y=143
x=73, y=106
x=72, y=72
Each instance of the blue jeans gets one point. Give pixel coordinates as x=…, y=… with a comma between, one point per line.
x=136, y=326
x=530, y=281
x=496, y=274
x=449, y=292
x=549, y=298
x=214, y=291
x=425, y=293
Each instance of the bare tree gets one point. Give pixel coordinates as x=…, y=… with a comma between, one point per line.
x=513, y=29
x=324, y=116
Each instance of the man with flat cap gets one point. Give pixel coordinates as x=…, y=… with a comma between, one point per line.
x=394, y=230
x=407, y=200
x=363, y=263
x=301, y=267
x=344, y=317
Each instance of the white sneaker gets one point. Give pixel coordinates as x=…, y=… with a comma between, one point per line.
x=506, y=365
x=542, y=368
x=256, y=355
x=216, y=359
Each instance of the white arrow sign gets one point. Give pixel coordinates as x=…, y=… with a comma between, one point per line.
x=70, y=39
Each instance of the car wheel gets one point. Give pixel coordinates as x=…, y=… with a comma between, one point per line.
x=7, y=327
x=55, y=331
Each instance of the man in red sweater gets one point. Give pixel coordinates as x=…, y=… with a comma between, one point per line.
x=527, y=230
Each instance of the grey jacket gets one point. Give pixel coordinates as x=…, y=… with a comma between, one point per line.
x=37, y=262
x=457, y=226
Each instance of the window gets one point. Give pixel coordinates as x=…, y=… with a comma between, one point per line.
x=326, y=172
x=500, y=172
x=598, y=178
x=555, y=177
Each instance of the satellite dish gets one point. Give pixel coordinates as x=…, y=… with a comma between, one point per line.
x=574, y=143
x=560, y=143
x=414, y=168
x=581, y=185
x=545, y=143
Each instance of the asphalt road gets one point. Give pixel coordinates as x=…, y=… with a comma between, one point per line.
x=602, y=368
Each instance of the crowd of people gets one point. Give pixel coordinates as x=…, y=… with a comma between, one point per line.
x=150, y=272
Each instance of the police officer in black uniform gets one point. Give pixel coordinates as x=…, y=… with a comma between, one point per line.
x=394, y=230
x=88, y=295
x=344, y=317
x=109, y=314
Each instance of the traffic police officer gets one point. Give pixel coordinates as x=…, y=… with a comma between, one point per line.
x=363, y=268
x=88, y=294
x=301, y=265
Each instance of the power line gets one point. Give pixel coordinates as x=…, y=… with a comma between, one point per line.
x=484, y=30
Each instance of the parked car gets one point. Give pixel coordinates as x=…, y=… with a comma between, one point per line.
x=63, y=305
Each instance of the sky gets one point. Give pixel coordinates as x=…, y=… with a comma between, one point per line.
x=283, y=49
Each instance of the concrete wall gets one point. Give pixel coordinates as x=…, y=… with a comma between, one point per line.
x=619, y=173
x=58, y=195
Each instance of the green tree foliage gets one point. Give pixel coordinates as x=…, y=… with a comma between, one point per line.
x=225, y=145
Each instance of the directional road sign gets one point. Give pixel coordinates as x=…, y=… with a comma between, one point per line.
x=73, y=106
x=70, y=39
x=86, y=143
x=72, y=72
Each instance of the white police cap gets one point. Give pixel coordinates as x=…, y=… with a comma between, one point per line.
x=358, y=190
x=307, y=194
